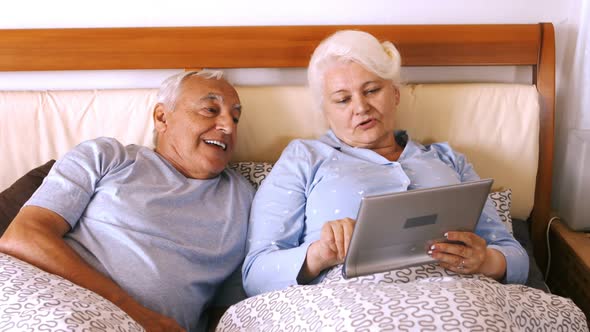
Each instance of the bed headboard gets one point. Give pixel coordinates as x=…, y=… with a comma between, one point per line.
x=290, y=46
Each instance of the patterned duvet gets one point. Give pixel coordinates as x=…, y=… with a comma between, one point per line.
x=425, y=298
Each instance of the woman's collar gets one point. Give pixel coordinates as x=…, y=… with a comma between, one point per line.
x=401, y=137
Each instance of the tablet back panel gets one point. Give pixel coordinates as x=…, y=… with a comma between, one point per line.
x=395, y=230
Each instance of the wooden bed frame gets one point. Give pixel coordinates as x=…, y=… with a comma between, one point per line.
x=290, y=46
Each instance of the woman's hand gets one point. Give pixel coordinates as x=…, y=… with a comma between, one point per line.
x=473, y=256
x=329, y=250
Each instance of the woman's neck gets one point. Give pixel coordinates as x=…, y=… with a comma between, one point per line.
x=390, y=152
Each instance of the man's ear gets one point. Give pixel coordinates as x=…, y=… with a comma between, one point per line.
x=397, y=95
x=160, y=118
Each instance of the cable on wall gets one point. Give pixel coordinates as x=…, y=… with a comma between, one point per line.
x=549, y=246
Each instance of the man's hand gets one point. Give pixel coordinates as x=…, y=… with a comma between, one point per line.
x=329, y=250
x=150, y=320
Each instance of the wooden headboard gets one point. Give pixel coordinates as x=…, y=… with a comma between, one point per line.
x=291, y=46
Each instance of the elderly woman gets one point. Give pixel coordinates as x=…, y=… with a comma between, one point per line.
x=302, y=216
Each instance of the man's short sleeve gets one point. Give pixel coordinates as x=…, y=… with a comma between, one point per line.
x=70, y=184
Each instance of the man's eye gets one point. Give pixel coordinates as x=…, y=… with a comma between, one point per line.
x=342, y=100
x=210, y=110
x=372, y=91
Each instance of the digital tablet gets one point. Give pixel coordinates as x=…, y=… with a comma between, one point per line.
x=395, y=230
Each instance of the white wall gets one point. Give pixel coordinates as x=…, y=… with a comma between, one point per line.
x=119, y=13
x=18, y=14
x=572, y=157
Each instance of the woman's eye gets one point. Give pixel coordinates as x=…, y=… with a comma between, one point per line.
x=342, y=100
x=236, y=120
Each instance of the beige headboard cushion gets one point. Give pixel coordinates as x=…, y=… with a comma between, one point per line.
x=495, y=125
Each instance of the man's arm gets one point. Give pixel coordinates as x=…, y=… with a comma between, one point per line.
x=36, y=236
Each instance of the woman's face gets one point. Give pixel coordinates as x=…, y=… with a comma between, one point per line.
x=359, y=105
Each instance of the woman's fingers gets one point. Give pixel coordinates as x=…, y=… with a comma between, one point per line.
x=453, y=249
x=337, y=235
x=345, y=227
x=453, y=262
x=470, y=239
x=348, y=234
x=463, y=254
x=327, y=238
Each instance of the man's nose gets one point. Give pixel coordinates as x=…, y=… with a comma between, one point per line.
x=225, y=123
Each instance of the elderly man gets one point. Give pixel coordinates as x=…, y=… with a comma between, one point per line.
x=153, y=231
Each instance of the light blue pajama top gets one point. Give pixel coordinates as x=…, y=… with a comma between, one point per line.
x=168, y=240
x=316, y=181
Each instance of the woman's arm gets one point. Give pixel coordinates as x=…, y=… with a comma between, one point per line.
x=276, y=251
x=490, y=228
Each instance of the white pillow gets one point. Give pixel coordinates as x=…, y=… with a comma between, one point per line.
x=34, y=300
x=253, y=171
x=502, y=201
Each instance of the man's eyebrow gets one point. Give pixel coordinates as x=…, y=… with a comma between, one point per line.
x=370, y=82
x=339, y=91
x=213, y=96
x=219, y=98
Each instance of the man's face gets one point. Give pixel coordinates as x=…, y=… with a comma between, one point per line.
x=199, y=135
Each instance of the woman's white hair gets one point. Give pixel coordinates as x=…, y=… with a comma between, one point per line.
x=383, y=59
x=170, y=88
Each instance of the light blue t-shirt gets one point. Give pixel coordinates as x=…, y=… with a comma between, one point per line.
x=167, y=240
x=316, y=181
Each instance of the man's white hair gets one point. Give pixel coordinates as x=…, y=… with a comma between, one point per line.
x=383, y=59
x=170, y=88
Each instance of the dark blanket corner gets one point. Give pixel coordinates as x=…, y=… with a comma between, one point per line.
x=522, y=235
x=15, y=196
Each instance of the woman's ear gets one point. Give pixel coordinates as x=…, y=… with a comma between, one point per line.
x=160, y=117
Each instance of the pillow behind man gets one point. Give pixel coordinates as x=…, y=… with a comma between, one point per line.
x=13, y=198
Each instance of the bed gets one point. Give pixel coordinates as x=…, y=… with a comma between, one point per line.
x=518, y=153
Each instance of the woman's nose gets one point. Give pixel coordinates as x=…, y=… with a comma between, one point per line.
x=361, y=106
